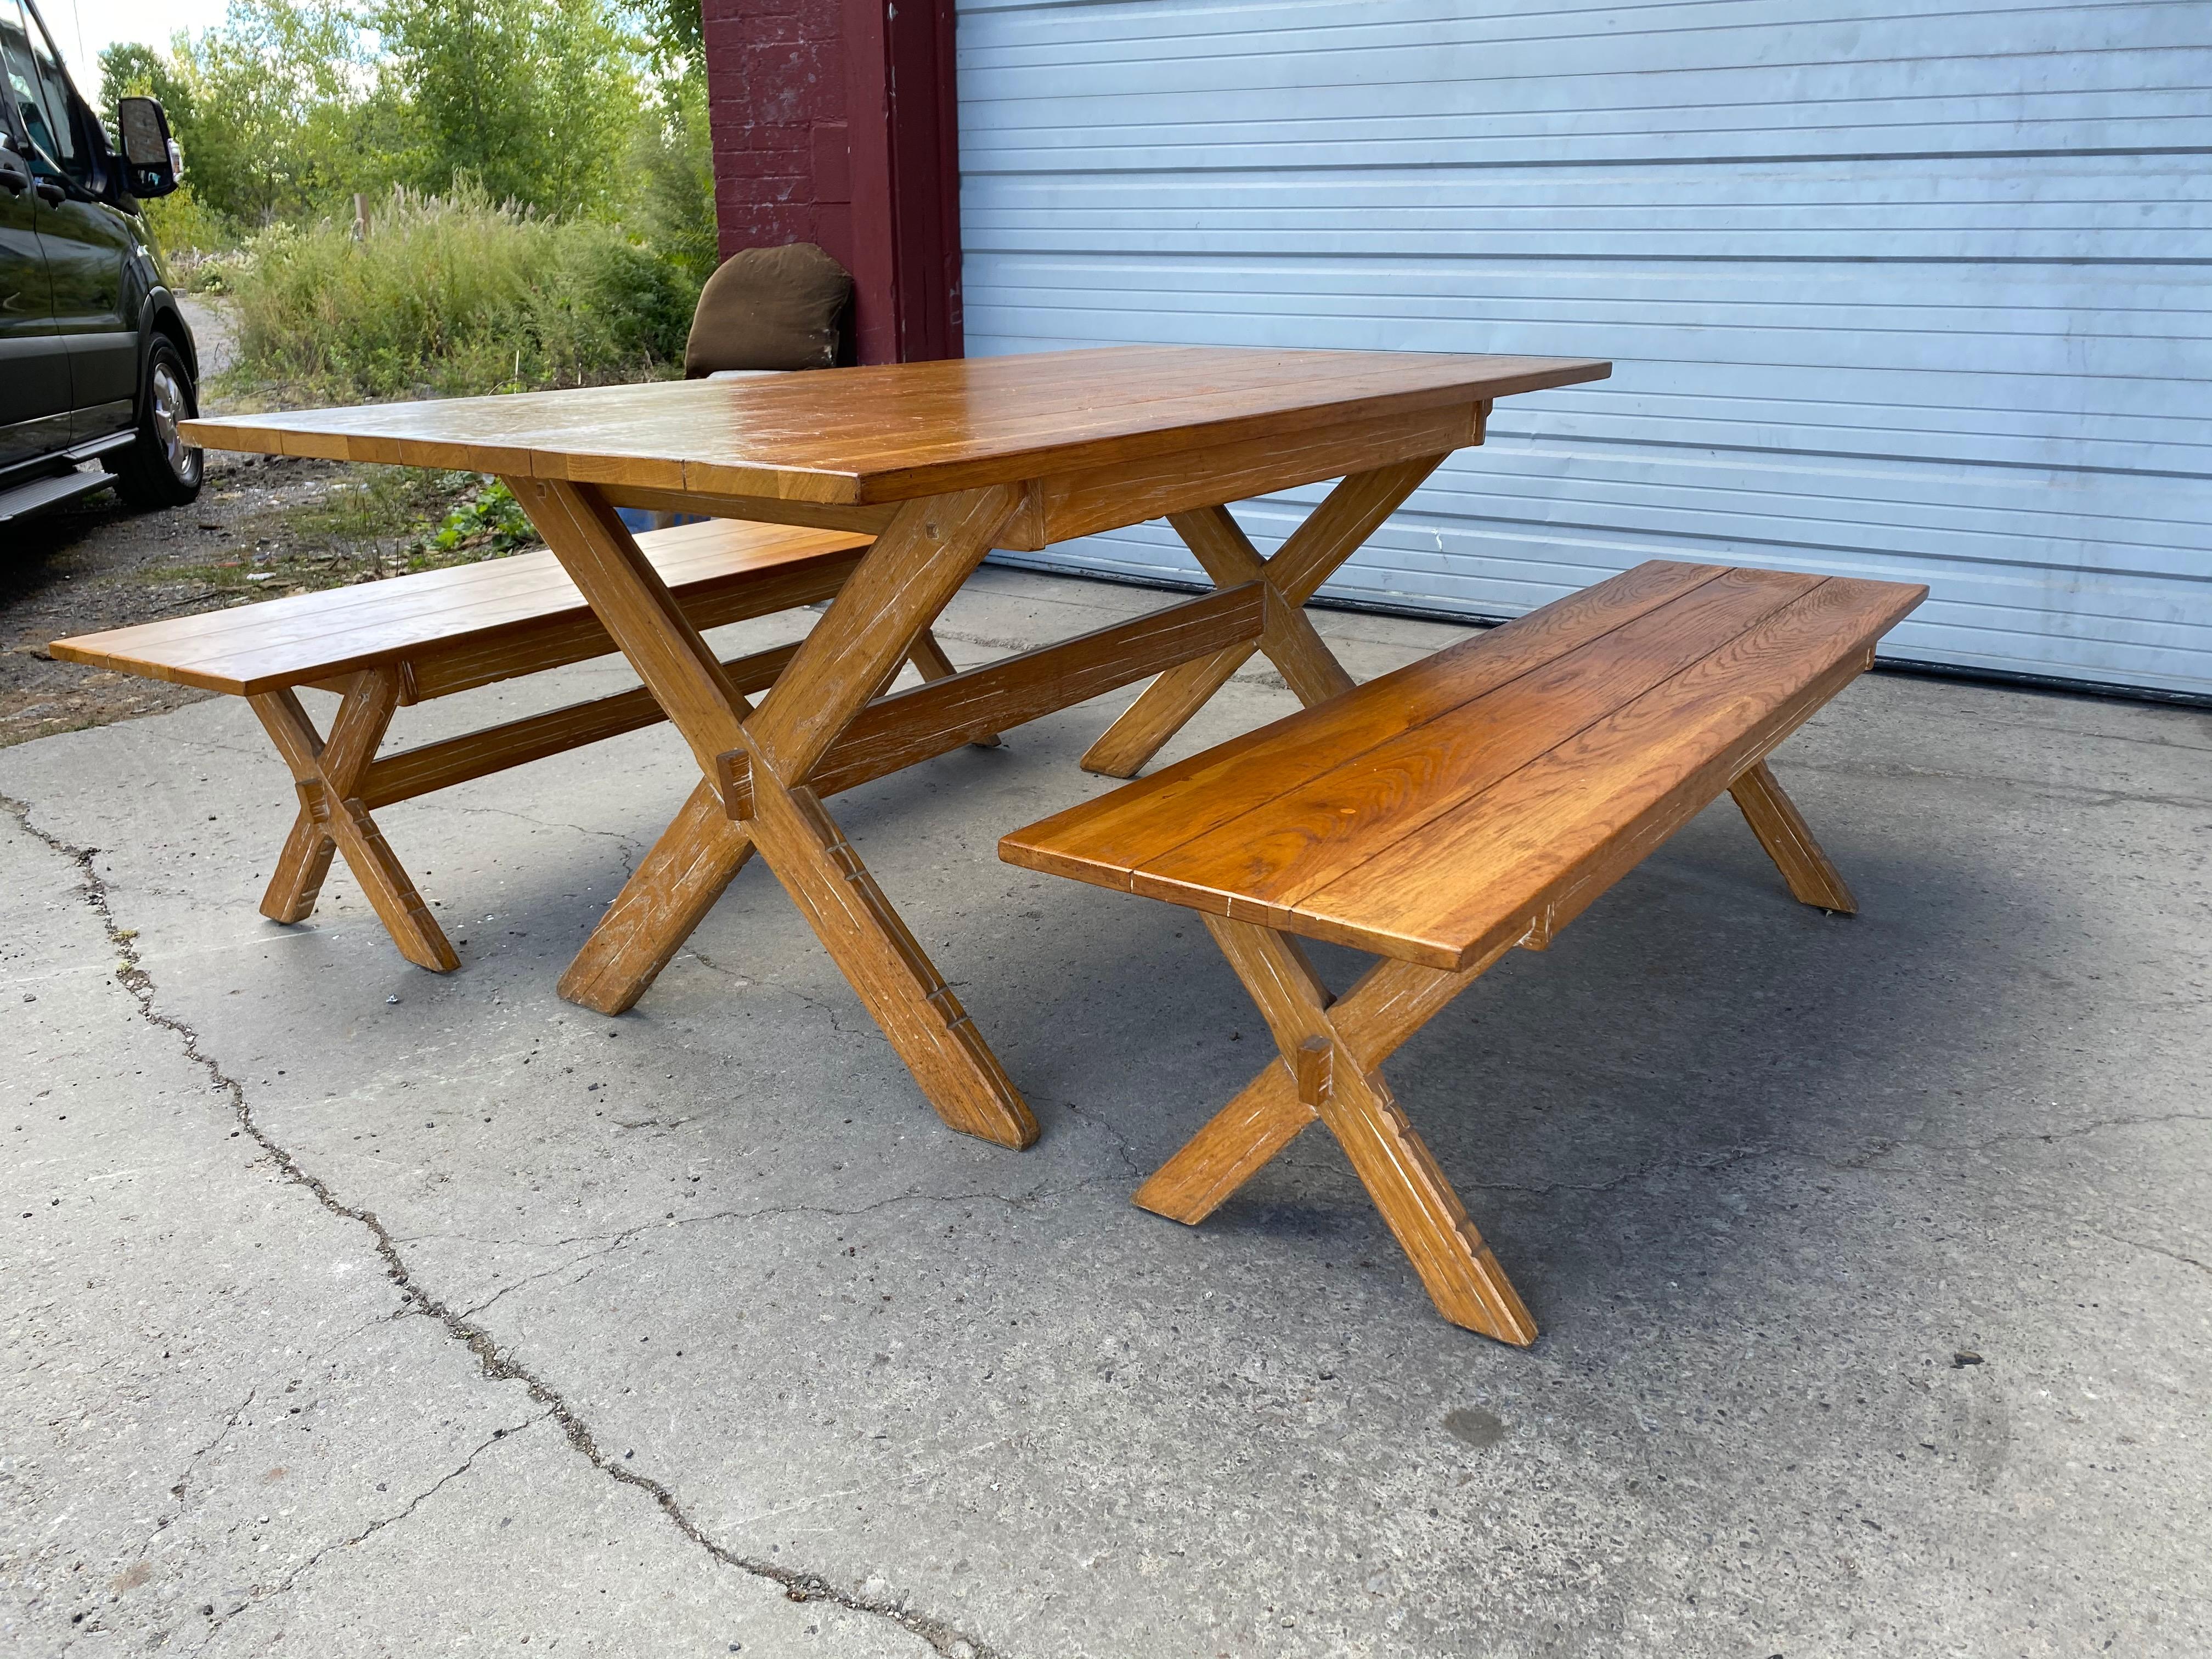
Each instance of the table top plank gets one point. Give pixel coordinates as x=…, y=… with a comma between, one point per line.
x=893, y=432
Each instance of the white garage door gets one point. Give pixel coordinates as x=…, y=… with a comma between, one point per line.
x=1916, y=290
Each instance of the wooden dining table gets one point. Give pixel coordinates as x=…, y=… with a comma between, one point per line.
x=941, y=462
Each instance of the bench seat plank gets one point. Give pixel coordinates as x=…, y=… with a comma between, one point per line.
x=1531, y=853
x=1150, y=818
x=1497, y=809
x=470, y=624
x=1308, y=836
x=519, y=588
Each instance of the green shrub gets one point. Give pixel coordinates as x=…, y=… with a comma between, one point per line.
x=186, y=232
x=488, y=523
x=452, y=295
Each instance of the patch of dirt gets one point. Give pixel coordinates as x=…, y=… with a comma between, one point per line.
x=264, y=526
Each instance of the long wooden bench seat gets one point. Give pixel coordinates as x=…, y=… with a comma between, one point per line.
x=383, y=645
x=1441, y=815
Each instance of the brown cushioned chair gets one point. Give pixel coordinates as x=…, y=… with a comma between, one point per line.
x=768, y=309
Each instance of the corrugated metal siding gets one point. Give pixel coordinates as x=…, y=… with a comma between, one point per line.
x=1919, y=292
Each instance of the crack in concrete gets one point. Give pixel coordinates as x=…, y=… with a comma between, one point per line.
x=261, y=754
x=830, y=1011
x=630, y=845
x=623, y=1237
x=398, y=1312
x=2004, y=1137
x=1700, y=1162
x=2204, y=1267
x=708, y=962
x=2014, y=1199
x=262, y=1598
x=1131, y=1163
x=1981, y=721
x=779, y=988
x=1870, y=1161
x=2048, y=789
x=192, y=1464
x=498, y=1366
x=1867, y=1162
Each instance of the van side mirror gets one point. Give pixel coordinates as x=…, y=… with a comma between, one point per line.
x=15, y=172
x=151, y=160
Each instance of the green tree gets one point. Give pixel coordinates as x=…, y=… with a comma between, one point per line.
x=271, y=114
x=671, y=180
x=532, y=99
x=128, y=69
x=676, y=33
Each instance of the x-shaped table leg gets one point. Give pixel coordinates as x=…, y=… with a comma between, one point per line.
x=1788, y=839
x=327, y=776
x=905, y=579
x=1332, y=533
x=1330, y=1051
x=695, y=860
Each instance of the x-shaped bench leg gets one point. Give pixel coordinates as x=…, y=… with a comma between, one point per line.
x=1330, y=1051
x=1332, y=533
x=328, y=776
x=905, y=580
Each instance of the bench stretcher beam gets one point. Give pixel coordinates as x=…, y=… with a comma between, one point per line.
x=950, y=709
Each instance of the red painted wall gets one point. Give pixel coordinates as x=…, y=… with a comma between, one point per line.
x=835, y=122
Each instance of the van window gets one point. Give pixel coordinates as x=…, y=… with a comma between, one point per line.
x=39, y=90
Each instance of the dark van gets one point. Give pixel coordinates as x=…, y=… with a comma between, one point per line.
x=97, y=367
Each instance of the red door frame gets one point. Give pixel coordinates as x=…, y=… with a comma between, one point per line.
x=903, y=119
x=837, y=122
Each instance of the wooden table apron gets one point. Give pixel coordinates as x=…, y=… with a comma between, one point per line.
x=822, y=727
x=941, y=462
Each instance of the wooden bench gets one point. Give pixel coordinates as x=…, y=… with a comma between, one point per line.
x=1441, y=815
x=386, y=644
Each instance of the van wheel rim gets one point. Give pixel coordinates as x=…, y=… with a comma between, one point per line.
x=169, y=407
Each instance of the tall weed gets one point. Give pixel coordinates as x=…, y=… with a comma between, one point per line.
x=448, y=295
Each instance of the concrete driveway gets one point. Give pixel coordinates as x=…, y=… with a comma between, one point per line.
x=355, y=1311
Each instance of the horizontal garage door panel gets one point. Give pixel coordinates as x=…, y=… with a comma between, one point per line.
x=1915, y=294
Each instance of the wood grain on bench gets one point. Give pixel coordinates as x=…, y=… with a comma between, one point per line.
x=1480, y=789
x=472, y=624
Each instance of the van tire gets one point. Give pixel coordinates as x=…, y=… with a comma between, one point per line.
x=161, y=469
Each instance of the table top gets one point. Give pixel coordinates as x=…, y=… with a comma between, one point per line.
x=896, y=431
